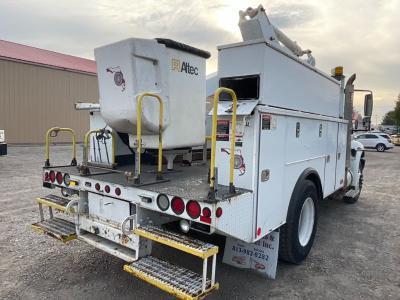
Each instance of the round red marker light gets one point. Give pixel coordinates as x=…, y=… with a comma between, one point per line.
x=46, y=176
x=259, y=231
x=59, y=178
x=52, y=176
x=218, y=212
x=206, y=212
x=177, y=205
x=97, y=186
x=193, y=209
x=118, y=191
x=107, y=189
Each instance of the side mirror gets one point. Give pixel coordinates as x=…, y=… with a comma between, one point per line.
x=367, y=122
x=368, y=104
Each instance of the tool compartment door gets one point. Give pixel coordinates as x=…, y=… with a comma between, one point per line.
x=271, y=158
x=341, y=155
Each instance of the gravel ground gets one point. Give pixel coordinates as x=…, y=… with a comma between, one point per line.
x=356, y=252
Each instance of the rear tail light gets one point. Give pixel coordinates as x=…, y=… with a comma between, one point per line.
x=46, y=176
x=206, y=215
x=97, y=186
x=177, y=205
x=193, y=209
x=206, y=212
x=107, y=189
x=218, y=212
x=118, y=191
x=67, y=179
x=59, y=178
x=52, y=176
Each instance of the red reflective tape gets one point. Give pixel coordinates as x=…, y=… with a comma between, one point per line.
x=259, y=231
x=205, y=219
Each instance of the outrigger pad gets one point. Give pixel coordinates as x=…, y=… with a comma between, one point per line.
x=57, y=228
x=173, y=279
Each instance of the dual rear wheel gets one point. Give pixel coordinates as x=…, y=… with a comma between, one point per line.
x=297, y=235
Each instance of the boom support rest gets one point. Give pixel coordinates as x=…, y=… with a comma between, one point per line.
x=139, y=136
x=53, y=132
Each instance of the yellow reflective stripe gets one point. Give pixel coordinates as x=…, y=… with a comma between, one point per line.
x=51, y=204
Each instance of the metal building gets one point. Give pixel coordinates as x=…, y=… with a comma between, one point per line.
x=38, y=89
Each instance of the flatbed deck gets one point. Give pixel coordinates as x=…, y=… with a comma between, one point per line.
x=190, y=182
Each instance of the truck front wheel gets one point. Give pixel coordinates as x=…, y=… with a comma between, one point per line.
x=297, y=235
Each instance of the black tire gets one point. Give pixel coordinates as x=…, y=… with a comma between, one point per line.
x=290, y=249
x=380, y=147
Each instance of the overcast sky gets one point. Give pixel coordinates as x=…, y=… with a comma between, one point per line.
x=361, y=35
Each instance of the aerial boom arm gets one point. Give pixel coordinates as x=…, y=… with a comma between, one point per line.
x=254, y=24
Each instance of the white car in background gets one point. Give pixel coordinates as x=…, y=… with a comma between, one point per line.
x=383, y=134
x=373, y=140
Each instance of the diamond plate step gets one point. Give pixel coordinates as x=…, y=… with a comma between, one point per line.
x=173, y=279
x=54, y=201
x=57, y=228
x=178, y=241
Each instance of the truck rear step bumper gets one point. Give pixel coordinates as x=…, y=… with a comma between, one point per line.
x=109, y=247
x=57, y=228
x=54, y=201
x=178, y=241
x=173, y=279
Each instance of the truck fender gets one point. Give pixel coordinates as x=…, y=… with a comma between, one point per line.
x=357, y=163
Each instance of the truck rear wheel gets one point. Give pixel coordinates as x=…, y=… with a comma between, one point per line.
x=297, y=235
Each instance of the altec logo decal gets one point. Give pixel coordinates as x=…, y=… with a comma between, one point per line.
x=184, y=67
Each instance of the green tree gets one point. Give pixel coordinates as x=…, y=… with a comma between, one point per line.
x=397, y=111
x=393, y=117
x=389, y=118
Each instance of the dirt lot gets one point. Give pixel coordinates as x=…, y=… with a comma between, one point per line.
x=356, y=252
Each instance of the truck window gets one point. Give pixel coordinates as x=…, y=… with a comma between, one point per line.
x=245, y=87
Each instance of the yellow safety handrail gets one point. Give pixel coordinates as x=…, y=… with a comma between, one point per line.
x=214, y=138
x=139, y=135
x=56, y=130
x=86, y=145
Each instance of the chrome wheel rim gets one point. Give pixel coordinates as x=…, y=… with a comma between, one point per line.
x=306, y=221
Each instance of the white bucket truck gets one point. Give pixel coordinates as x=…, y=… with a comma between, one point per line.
x=280, y=143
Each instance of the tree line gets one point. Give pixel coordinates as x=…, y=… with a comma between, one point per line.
x=393, y=117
